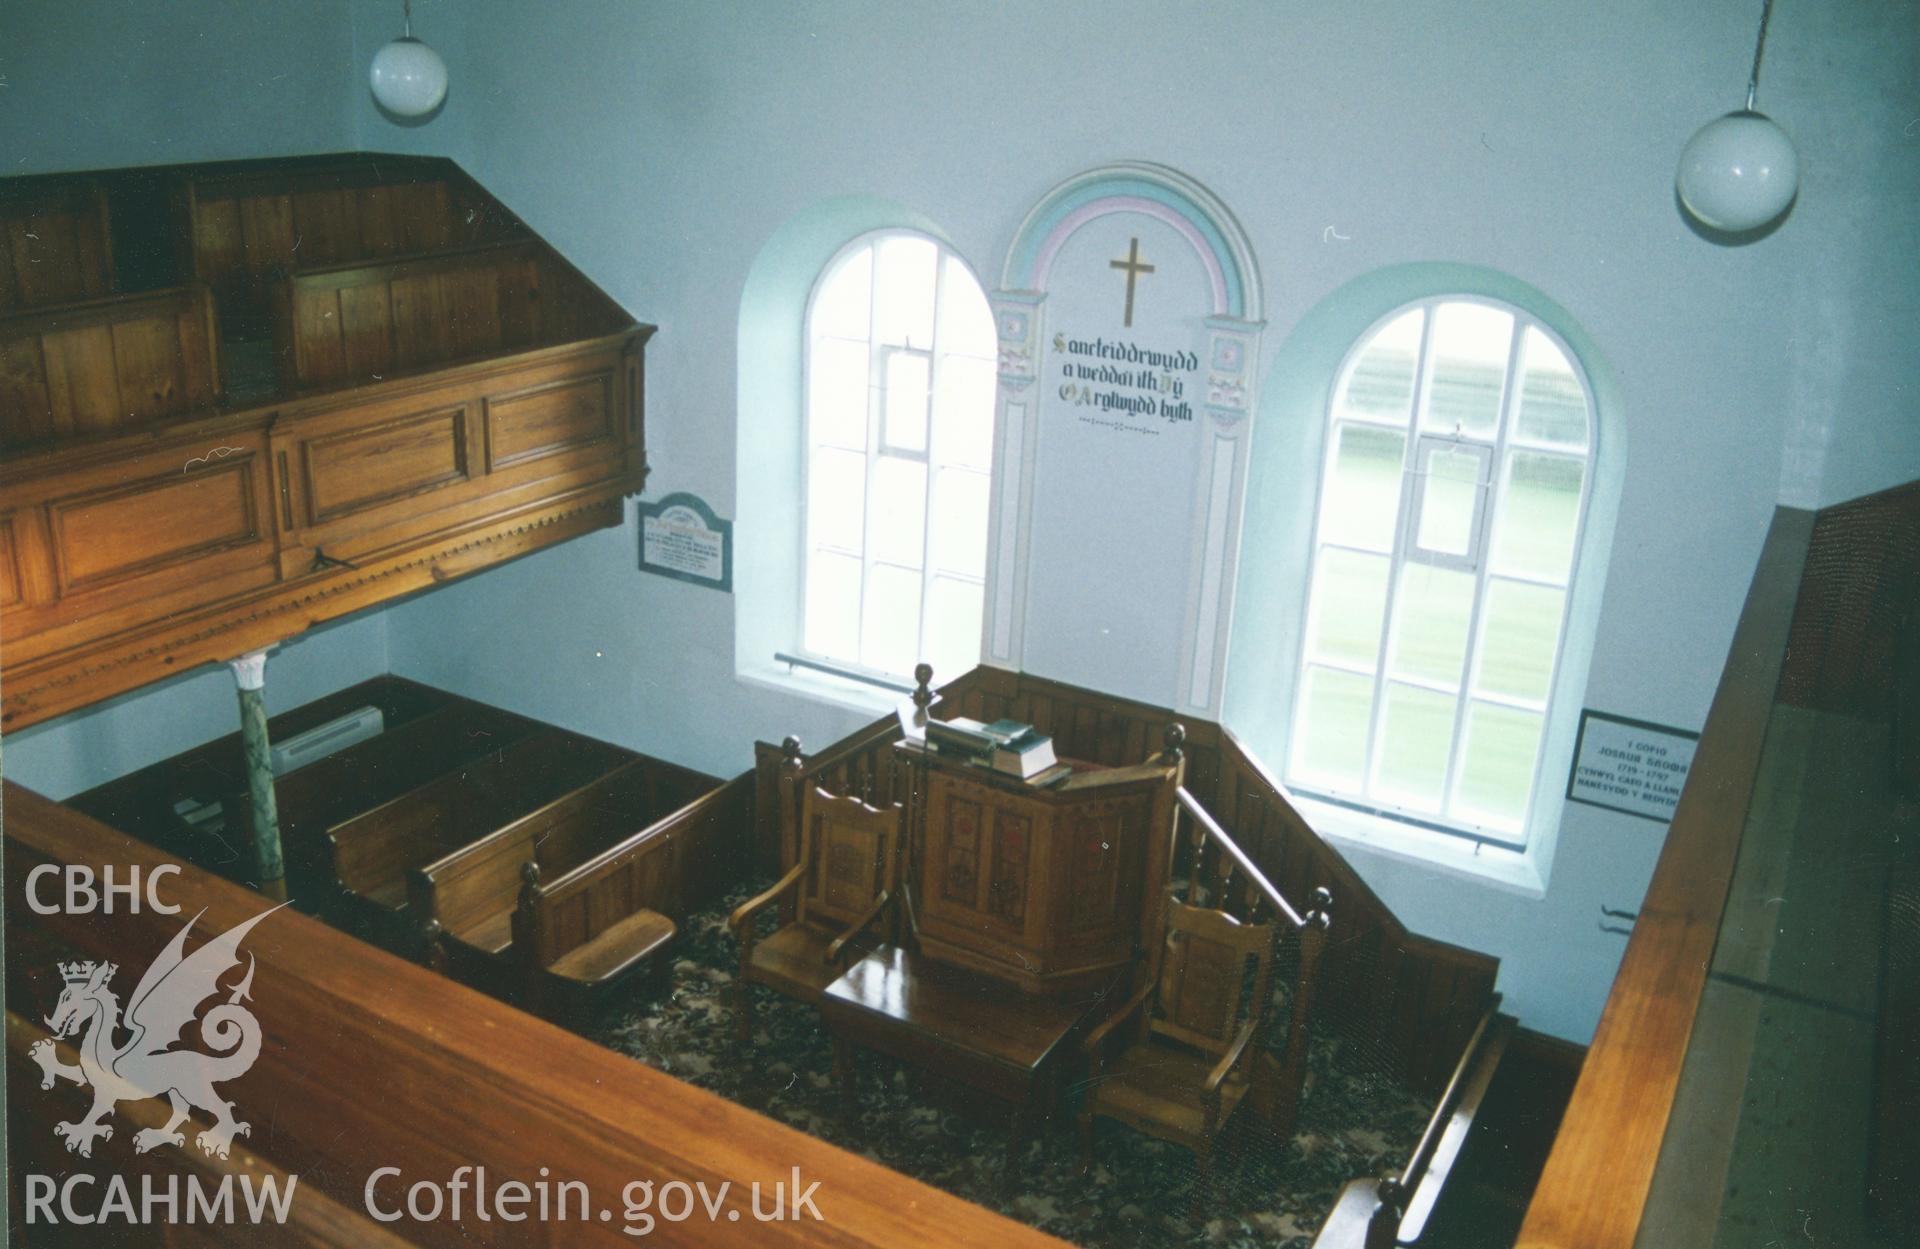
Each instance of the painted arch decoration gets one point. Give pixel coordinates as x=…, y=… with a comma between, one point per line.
x=1129, y=316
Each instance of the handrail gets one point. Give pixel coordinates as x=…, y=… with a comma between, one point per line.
x=1593, y=1191
x=1211, y=826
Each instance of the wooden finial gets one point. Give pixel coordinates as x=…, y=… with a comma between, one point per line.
x=1174, y=740
x=529, y=882
x=923, y=687
x=1322, y=905
x=790, y=752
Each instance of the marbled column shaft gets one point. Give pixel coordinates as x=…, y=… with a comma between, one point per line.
x=268, y=868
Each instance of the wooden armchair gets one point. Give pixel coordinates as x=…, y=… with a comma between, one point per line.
x=843, y=885
x=1191, y=1034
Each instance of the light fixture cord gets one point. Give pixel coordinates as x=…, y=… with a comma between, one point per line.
x=1759, y=49
x=406, y=23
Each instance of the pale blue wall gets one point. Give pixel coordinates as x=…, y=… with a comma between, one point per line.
x=75, y=752
x=107, y=83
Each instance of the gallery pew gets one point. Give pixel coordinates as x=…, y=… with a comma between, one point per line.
x=108, y=364
x=370, y=1062
x=580, y=933
x=314, y=1220
x=350, y=324
x=251, y=225
x=56, y=246
x=465, y=901
x=371, y=853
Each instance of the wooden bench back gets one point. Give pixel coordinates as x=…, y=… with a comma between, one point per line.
x=1205, y=992
x=56, y=246
x=679, y=863
x=482, y=879
x=107, y=364
x=853, y=852
x=250, y=229
x=376, y=849
x=352, y=324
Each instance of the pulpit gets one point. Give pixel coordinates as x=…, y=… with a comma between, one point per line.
x=1044, y=889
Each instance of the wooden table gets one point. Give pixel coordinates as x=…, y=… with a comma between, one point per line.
x=976, y=1031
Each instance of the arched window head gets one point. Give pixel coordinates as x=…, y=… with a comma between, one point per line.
x=1459, y=453
x=900, y=359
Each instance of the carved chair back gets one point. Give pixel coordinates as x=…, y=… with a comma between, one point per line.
x=852, y=851
x=1214, y=976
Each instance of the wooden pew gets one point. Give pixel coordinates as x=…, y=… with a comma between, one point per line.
x=106, y=365
x=250, y=227
x=56, y=246
x=351, y=324
x=371, y=853
x=371, y=1062
x=465, y=901
x=582, y=932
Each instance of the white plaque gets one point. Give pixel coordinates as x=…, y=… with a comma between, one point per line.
x=1630, y=766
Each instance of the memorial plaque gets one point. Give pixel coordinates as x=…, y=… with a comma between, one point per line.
x=1630, y=766
x=680, y=537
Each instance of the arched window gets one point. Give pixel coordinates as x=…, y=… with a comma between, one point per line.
x=900, y=359
x=1459, y=452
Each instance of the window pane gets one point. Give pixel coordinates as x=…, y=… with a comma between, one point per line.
x=836, y=499
x=899, y=511
x=960, y=522
x=891, y=622
x=1330, y=740
x=843, y=304
x=1518, y=639
x=1431, y=615
x=1539, y=511
x=1379, y=383
x=963, y=412
x=837, y=384
x=833, y=605
x=1553, y=409
x=1349, y=598
x=1496, y=771
x=1415, y=739
x=953, y=626
x=966, y=322
x=1448, y=497
x=1362, y=497
x=903, y=292
x=906, y=420
x=1467, y=366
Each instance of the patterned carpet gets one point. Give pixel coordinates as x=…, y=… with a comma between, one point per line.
x=1355, y=1120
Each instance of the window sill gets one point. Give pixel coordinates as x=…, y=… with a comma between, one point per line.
x=822, y=687
x=1513, y=871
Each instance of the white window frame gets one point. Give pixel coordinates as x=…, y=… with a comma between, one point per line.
x=1488, y=513
x=878, y=447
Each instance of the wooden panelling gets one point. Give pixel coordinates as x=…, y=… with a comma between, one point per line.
x=110, y=535
x=55, y=244
x=10, y=580
x=546, y=420
x=369, y=1061
x=1862, y=581
x=351, y=471
x=106, y=365
x=1595, y=1184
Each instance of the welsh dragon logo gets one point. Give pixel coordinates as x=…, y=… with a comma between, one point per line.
x=146, y=1064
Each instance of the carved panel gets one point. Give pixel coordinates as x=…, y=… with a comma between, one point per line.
x=549, y=419
x=959, y=867
x=1012, y=843
x=127, y=530
x=358, y=469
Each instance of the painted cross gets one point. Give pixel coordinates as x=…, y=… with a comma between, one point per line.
x=1134, y=267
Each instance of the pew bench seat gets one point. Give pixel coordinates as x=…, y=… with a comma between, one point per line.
x=616, y=951
x=490, y=935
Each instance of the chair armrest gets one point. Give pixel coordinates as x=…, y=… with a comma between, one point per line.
x=1098, y=1036
x=1231, y=1057
x=744, y=913
x=873, y=912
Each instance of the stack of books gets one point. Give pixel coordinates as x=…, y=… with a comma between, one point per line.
x=1005, y=746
